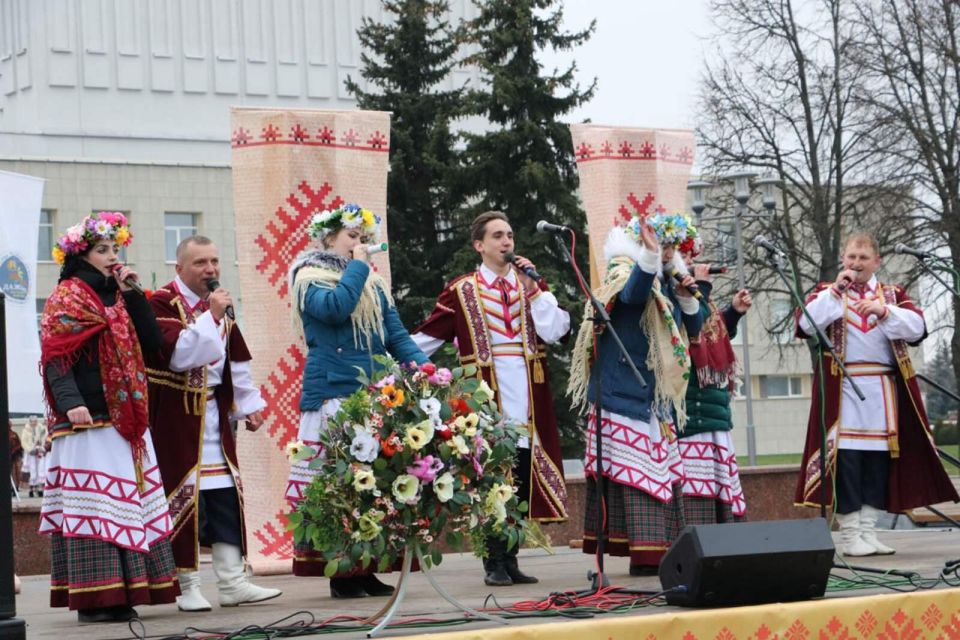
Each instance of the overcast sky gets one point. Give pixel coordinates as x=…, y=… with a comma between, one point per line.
x=646, y=56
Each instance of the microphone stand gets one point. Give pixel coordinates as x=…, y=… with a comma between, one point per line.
x=824, y=346
x=601, y=322
x=930, y=271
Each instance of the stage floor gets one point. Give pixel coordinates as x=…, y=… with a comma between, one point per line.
x=922, y=550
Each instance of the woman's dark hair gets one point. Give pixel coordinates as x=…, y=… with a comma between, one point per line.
x=72, y=264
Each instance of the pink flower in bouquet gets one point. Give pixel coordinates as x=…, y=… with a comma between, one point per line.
x=442, y=377
x=389, y=380
x=425, y=469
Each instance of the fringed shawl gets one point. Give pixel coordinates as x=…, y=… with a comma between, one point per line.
x=325, y=269
x=667, y=356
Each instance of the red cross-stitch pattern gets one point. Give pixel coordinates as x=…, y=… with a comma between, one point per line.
x=275, y=540
x=299, y=134
x=326, y=136
x=240, y=136
x=685, y=155
x=641, y=208
x=932, y=616
x=270, y=133
x=647, y=151
x=282, y=395
x=350, y=138
x=606, y=148
x=377, y=140
x=281, y=243
x=584, y=151
x=866, y=623
x=665, y=152
x=626, y=149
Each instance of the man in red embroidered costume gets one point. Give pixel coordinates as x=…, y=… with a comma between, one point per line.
x=193, y=397
x=501, y=319
x=880, y=453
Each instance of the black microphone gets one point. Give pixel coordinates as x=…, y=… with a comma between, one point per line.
x=760, y=241
x=694, y=290
x=530, y=271
x=916, y=253
x=212, y=285
x=547, y=227
x=716, y=269
x=131, y=282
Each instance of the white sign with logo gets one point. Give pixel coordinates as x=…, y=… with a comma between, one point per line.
x=20, y=199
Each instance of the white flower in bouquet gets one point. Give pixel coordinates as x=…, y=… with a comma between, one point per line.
x=483, y=392
x=368, y=526
x=458, y=444
x=364, y=447
x=502, y=492
x=494, y=508
x=295, y=450
x=416, y=437
x=443, y=487
x=431, y=407
x=405, y=488
x=364, y=480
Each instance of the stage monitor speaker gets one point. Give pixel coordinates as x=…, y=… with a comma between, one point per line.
x=748, y=563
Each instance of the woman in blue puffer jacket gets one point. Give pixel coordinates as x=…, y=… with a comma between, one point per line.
x=346, y=315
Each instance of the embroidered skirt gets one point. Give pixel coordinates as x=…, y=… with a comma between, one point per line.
x=110, y=538
x=711, y=483
x=643, y=502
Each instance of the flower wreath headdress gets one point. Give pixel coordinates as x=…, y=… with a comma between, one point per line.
x=346, y=216
x=103, y=225
x=674, y=229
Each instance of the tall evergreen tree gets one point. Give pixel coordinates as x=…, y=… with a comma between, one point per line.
x=523, y=164
x=406, y=61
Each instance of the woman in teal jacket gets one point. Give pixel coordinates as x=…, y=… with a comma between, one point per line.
x=711, y=486
x=346, y=316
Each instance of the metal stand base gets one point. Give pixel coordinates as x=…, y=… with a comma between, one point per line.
x=392, y=606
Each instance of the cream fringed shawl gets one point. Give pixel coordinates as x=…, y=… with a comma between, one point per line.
x=667, y=357
x=325, y=269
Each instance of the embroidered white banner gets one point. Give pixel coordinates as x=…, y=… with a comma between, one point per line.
x=20, y=199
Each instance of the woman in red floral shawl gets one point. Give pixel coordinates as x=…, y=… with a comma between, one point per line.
x=103, y=505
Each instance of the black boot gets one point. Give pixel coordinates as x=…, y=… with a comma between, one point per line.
x=495, y=564
x=372, y=585
x=643, y=570
x=513, y=568
x=104, y=614
x=346, y=588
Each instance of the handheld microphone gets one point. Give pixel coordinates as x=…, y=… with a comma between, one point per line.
x=547, y=227
x=694, y=290
x=509, y=257
x=760, y=241
x=716, y=269
x=131, y=282
x=212, y=285
x=916, y=253
x=376, y=248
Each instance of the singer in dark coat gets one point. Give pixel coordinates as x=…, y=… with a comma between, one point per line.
x=199, y=381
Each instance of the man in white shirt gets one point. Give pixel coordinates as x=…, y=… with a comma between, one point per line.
x=199, y=383
x=502, y=319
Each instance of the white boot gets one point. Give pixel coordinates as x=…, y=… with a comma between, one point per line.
x=190, y=598
x=16, y=583
x=868, y=530
x=232, y=580
x=851, y=544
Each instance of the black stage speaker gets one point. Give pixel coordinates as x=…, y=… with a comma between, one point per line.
x=748, y=563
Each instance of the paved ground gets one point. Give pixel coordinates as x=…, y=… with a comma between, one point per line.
x=921, y=550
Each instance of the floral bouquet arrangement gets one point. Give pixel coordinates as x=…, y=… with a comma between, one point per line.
x=415, y=454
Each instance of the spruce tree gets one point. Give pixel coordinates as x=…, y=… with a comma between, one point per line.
x=406, y=61
x=523, y=164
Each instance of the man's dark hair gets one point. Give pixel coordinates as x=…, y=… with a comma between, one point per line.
x=478, y=229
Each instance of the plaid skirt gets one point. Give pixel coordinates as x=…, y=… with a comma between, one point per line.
x=708, y=511
x=637, y=525
x=87, y=573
